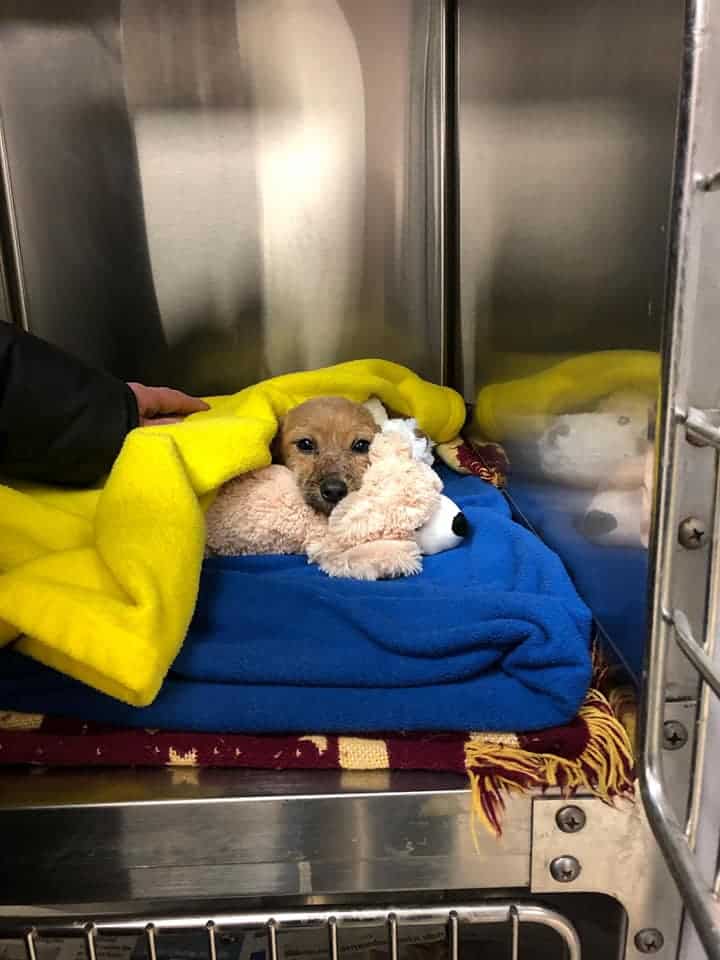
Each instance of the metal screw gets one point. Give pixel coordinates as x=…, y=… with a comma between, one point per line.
x=649, y=940
x=570, y=819
x=675, y=735
x=692, y=533
x=565, y=869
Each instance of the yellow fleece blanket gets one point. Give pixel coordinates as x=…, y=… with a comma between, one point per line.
x=512, y=407
x=101, y=584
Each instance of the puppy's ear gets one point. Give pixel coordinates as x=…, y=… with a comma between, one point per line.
x=276, y=444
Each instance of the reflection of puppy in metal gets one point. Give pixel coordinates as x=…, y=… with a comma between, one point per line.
x=325, y=442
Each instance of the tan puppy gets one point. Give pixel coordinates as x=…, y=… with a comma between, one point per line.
x=325, y=443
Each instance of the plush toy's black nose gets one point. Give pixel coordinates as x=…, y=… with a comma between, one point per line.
x=460, y=526
x=597, y=522
x=333, y=489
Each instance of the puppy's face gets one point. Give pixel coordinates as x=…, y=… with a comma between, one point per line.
x=325, y=442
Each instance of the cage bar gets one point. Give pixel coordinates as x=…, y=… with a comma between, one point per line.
x=512, y=915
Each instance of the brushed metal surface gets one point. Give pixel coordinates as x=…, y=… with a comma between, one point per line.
x=618, y=857
x=567, y=116
x=4, y=297
x=210, y=193
x=166, y=834
x=566, y=141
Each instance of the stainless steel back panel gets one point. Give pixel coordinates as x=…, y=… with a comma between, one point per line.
x=214, y=192
x=566, y=144
x=566, y=119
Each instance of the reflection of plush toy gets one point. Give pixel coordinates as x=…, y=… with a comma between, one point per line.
x=585, y=449
x=619, y=514
x=379, y=531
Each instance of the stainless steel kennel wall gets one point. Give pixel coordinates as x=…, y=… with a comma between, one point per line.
x=567, y=118
x=216, y=192
x=566, y=133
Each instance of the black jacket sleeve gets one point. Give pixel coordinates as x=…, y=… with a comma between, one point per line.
x=61, y=422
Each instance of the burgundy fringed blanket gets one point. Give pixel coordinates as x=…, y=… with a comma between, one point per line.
x=591, y=753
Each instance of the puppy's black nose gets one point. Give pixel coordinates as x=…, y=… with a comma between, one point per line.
x=460, y=527
x=333, y=489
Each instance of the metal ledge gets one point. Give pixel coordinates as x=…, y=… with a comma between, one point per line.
x=168, y=834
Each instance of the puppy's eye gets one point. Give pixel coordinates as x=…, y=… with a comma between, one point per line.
x=305, y=445
x=360, y=446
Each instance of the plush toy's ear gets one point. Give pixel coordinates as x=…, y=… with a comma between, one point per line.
x=376, y=410
x=420, y=443
x=388, y=445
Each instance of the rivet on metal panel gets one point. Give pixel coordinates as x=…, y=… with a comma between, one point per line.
x=565, y=869
x=675, y=735
x=649, y=940
x=570, y=819
x=692, y=533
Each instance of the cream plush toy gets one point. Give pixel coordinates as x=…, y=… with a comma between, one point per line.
x=377, y=532
x=261, y=512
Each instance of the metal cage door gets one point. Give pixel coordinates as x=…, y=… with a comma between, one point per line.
x=683, y=656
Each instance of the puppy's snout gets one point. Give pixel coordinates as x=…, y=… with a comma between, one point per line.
x=333, y=489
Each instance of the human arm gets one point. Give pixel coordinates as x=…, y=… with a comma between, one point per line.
x=64, y=422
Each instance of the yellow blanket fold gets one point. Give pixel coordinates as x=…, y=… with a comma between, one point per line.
x=101, y=584
x=510, y=408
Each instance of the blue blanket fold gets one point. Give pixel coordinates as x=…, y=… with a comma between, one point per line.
x=491, y=636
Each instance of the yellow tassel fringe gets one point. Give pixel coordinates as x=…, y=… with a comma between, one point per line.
x=498, y=769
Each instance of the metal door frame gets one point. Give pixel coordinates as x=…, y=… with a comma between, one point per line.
x=682, y=661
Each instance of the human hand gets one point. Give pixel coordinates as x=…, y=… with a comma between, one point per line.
x=158, y=405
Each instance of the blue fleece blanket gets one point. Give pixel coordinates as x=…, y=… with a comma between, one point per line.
x=491, y=636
